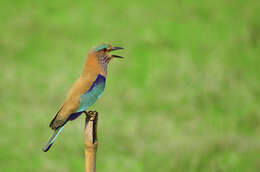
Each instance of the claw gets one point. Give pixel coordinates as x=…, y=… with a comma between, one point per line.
x=91, y=114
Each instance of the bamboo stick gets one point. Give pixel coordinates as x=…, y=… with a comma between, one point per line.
x=91, y=143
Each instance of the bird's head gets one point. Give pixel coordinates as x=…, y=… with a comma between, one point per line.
x=99, y=57
x=102, y=52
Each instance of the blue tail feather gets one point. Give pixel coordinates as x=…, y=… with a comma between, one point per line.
x=52, y=139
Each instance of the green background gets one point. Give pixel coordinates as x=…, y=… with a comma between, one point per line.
x=185, y=98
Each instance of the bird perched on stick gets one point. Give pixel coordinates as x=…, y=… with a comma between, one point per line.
x=85, y=91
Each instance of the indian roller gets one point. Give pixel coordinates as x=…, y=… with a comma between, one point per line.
x=85, y=91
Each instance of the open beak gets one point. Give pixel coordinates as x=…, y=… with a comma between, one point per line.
x=116, y=48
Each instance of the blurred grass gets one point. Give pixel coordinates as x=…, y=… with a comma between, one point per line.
x=185, y=98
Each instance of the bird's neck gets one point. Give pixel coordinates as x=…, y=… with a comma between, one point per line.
x=94, y=66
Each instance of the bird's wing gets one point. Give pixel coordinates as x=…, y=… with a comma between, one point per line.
x=91, y=96
x=74, y=107
x=82, y=95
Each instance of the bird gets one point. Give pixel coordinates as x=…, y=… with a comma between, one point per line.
x=85, y=91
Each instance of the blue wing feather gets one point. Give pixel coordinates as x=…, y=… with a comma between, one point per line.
x=86, y=100
x=91, y=96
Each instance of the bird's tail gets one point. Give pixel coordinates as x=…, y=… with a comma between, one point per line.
x=52, y=139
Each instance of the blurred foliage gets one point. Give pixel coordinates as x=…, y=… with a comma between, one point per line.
x=185, y=98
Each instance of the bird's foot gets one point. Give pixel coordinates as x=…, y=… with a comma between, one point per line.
x=91, y=114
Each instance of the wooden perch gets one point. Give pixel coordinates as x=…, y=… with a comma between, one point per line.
x=91, y=143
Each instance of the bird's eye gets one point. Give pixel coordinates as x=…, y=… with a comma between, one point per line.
x=104, y=49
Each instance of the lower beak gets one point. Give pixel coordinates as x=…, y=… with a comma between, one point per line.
x=116, y=56
x=116, y=48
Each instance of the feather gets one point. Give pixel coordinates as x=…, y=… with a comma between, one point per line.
x=91, y=96
x=52, y=139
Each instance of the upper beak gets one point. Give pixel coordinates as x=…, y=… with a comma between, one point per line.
x=116, y=48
